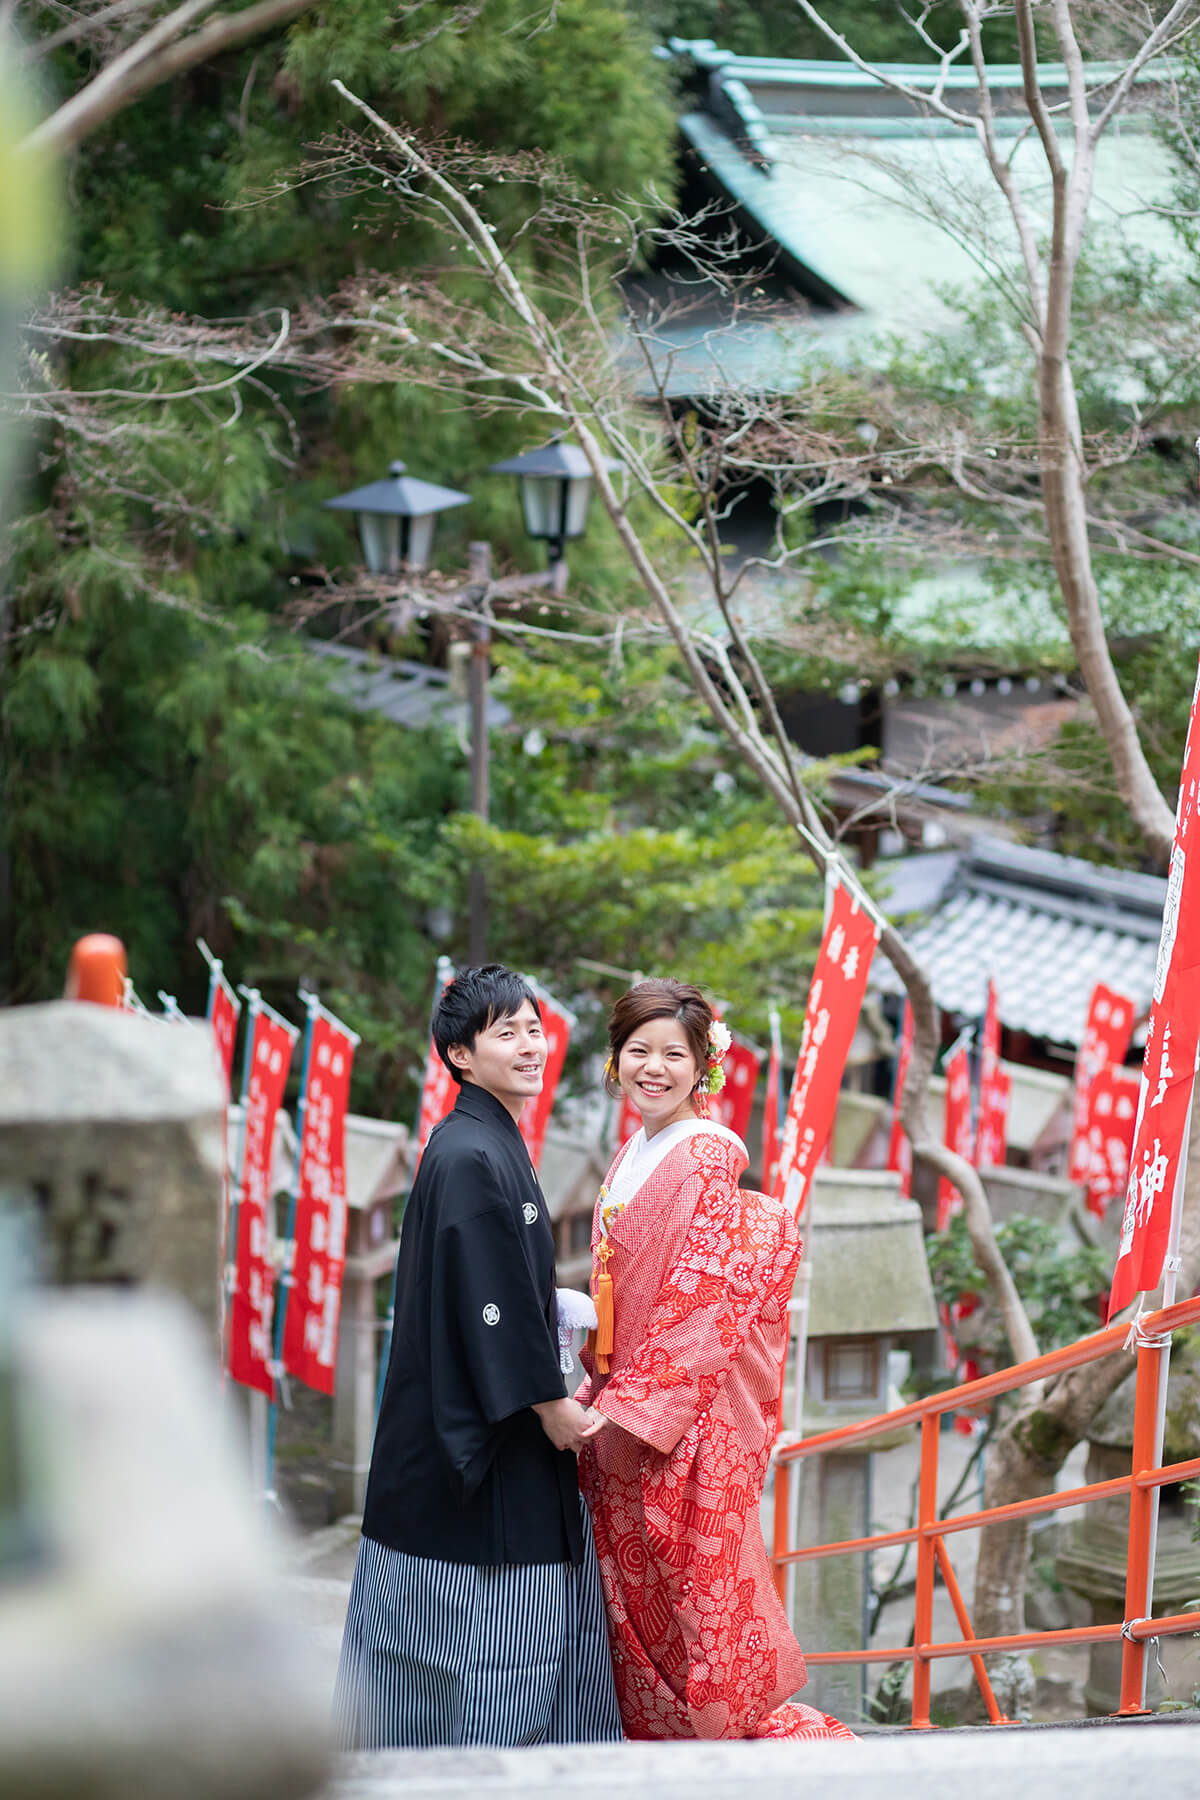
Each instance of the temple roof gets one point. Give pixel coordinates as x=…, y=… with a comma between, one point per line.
x=873, y=207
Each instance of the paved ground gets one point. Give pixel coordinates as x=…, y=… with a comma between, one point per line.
x=319, y=1568
x=1057, y=1763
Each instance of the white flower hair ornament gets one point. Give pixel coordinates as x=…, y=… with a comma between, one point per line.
x=719, y=1040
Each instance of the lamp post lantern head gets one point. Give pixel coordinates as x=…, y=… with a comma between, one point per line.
x=556, y=486
x=396, y=518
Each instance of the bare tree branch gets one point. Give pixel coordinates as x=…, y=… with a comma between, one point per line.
x=160, y=54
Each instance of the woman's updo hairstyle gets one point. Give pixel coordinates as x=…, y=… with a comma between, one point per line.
x=664, y=999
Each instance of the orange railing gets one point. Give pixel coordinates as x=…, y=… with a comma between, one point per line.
x=929, y=1532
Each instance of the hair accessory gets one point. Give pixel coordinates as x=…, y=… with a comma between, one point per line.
x=719, y=1040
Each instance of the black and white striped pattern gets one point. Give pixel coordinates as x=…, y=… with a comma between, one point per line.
x=438, y=1653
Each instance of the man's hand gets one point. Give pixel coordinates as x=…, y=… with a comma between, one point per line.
x=564, y=1423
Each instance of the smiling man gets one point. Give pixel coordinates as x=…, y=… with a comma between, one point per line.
x=475, y=1614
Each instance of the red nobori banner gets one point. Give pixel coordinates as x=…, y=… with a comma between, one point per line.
x=899, y=1156
x=1169, y=1064
x=1112, y=1114
x=629, y=1120
x=772, y=1108
x=991, y=1137
x=224, y=1010
x=252, y=1303
x=439, y=1090
x=310, y=1332
x=995, y=1091
x=1105, y=1040
x=835, y=998
x=733, y=1105
x=535, y=1116
x=958, y=1134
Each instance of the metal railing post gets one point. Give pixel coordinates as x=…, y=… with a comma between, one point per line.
x=995, y=1716
x=783, y=1477
x=926, y=1562
x=1143, y=1501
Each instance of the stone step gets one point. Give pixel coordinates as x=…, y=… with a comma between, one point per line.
x=1104, y=1761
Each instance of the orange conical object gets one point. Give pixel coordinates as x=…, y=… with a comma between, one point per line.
x=97, y=970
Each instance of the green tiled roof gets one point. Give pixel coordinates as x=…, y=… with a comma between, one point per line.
x=838, y=174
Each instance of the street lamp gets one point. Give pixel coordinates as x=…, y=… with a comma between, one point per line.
x=556, y=486
x=396, y=518
x=395, y=521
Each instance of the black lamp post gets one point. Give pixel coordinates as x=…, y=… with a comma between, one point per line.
x=396, y=517
x=556, y=486
x=395, y=521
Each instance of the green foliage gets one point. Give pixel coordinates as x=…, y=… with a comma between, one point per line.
x=1060, y=1288
x=729, y=910
x=184, y=229
x=623, y=833
x=879, y=31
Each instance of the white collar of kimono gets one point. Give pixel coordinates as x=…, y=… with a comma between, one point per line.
x=644, y=1154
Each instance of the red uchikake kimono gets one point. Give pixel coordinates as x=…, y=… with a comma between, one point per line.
x=702, y=1271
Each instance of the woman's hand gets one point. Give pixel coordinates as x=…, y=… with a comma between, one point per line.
x=595, y=1425
x=564, y=1423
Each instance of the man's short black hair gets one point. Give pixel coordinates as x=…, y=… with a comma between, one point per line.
x=475, y=999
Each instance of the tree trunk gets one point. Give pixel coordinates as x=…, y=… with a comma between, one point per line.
x=1065, y=501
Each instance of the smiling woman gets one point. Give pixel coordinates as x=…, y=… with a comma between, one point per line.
x=693, y=1277
x=658, y=1046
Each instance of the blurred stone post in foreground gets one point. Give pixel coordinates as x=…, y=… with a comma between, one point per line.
x=144, y=1642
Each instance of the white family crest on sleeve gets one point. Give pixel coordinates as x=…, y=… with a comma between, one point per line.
x=531, y=1212
x=491, y=1313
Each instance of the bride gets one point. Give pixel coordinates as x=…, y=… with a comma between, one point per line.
x=691, y=1279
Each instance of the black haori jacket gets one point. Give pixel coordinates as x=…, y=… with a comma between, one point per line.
x=461, y=1469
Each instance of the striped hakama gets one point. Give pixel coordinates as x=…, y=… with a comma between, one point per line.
x=442, y=1653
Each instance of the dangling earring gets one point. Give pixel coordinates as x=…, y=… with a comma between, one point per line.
x=700, y=1098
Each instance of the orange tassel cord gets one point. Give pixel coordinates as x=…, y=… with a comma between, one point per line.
x=603, y=1296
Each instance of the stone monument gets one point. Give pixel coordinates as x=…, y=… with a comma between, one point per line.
x=145, y=1646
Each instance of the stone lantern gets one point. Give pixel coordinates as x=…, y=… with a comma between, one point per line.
x=870, y=1295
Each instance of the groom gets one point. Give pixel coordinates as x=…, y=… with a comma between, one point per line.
x=476, y=1558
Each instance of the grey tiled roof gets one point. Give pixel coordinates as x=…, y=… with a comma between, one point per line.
x=1046, y=928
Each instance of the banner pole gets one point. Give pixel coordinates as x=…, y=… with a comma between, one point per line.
x=254, y=1004
x=284, y=1285
x=214, y=980
x=1171, y=1265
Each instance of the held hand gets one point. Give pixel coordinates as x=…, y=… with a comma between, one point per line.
x=596, y=1424
x=563, y=1422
